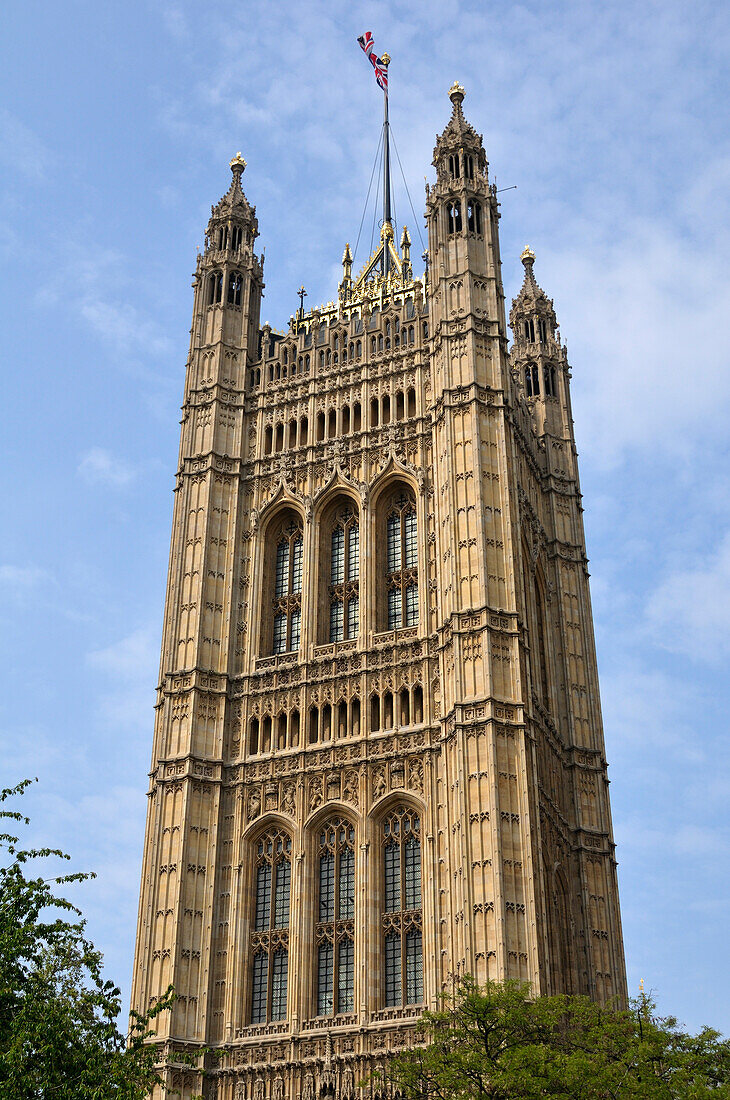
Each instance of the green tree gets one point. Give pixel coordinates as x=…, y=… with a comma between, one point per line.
x=496, y=1043
x=58, y=1015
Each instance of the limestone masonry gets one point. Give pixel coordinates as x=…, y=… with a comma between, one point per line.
x=378, y=755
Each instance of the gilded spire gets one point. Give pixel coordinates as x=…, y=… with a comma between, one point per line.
x=458, y=132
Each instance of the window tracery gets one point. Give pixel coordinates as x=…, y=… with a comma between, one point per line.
x=287, y=599
x=344, y=590
x=335, y=928
x=402, y=919
x=532, y=380
x=269, y=939
x=402, y=563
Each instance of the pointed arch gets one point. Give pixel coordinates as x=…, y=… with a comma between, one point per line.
x=337, y=523
x=282, y=547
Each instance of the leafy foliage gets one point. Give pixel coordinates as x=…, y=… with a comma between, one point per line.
x=496, y=1043
x=58, y=1032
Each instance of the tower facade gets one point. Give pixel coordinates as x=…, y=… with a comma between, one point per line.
x=378, y=756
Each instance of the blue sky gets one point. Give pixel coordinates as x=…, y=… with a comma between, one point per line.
x=117, y=124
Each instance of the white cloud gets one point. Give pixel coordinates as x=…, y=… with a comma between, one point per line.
x=99, y=467
x=689, y=612
x=123, y=325
x=131, y=666
x=21, y=149
x=131, y=657
x=20, y=578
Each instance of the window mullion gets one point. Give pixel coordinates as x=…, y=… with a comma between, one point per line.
x=290, y=578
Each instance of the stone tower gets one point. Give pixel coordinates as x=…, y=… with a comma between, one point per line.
x=378, y=756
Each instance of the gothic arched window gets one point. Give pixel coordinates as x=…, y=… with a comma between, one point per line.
x=344, y=595
x=453, y=217
x=334, y=928
x=548, y=377
x=235, y=287
x=402, y=562
x=215, y=287
x=532, y=380
x=269, y=938
x=474, y=217
x=287, y=598
x=402, y=908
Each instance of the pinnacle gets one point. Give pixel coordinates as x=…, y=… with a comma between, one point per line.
x=456, y=94
x=458, y=130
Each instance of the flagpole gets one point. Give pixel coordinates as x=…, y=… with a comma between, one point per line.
x=386, y=174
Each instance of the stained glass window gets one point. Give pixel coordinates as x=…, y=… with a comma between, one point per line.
x=393, y=995
x=402, y=914
x=270, y=935
x=287, y=591
x=260, y=987
x=345, y=975
x=402, y=564
x=279, y=977
x=325, y=972
x=344, y=576
x=282, y=568
x=338, y=555
x=334, y=931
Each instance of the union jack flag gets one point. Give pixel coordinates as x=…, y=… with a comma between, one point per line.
x=381, y=70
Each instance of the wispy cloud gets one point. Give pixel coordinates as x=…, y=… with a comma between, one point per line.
x=21, y=150
x=21, y=578
x=123, y=325
x=99, y=467
x=130, y=657
x=130, y=666
x=689, y=611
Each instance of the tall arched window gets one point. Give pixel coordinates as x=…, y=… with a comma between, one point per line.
x=453, y=217
x=402, y=563
x=335, y=930
x=287, y=600
x=474, y=216
x=215, y=287
x=270, y=933
x=402, y=908
x=235, y=288
x=532, y=380
x=344, y=593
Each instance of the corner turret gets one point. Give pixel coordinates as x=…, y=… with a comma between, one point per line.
x=229, y=276
x=539, y=362
x=464, y=266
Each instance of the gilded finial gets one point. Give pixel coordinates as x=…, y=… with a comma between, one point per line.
x=528, y=256
x=238, y=163
x=456, y=93
x=386, y=233
x=641, y=987
x=385, y=58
